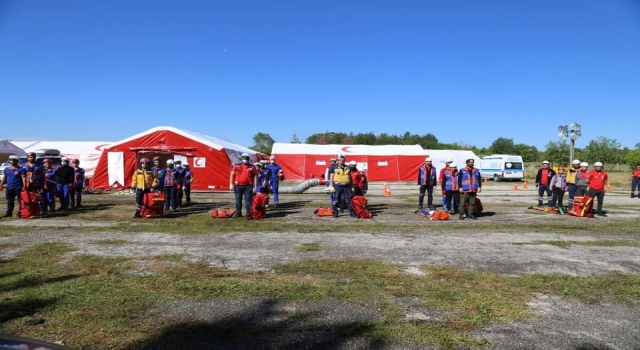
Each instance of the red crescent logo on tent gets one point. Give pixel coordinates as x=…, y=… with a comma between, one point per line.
x=198, y=162
x=101, y=147
x=346, y=149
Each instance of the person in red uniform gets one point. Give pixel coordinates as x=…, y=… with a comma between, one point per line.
x=357, y=180
x=543, y=179
x=597, y=179
x=242, y=181
x=635, y=181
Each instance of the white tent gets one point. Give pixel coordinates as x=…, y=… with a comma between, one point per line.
x=8, y=148
x=88, y=152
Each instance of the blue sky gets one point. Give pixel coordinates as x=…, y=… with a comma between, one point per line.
x=465, y=71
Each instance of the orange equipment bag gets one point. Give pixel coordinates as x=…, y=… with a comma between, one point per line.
x=222, y=213
x=324, y=212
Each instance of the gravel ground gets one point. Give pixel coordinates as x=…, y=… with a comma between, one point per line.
x=559, y=324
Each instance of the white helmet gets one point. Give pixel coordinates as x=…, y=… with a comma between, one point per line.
x=169, y=161
x=597, y=164
x=449, y=160
x=13, y=157
x=257, y=165
x=453, y=165
x=353, y=162
x=185, y=165
x=332, y=160
x=341, y=156
x=272, y=158
x=545, y=162
x=428, y=159
x=575, y=161
x=64, y=159
x=245, y=155
x=584, y=164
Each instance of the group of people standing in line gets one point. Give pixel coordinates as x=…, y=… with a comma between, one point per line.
x=459, y=187
x=65, y=182
x=578, y=181
x=174, y=180
x=247, y=180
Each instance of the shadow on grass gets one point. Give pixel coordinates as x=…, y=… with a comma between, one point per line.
x=81, y=210
x=13, y=309
x=263, y=326
x=376, y=209
x=30, y=282
x=286, y=208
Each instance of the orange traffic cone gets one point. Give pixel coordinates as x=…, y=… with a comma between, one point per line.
x=525, y=185
x=608, y=188
x=485, y=180
x=386, y=191
x=515, y=186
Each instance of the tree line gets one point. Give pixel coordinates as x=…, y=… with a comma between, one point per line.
x=601, y=149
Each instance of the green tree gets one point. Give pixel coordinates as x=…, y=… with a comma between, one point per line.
x=365, y=139
x=604, y=150
x=557, y=152
x=262, y=143
x=529, y=153
x=429, y=141
x=503, y=146
x=294, y=138
x=633, y=157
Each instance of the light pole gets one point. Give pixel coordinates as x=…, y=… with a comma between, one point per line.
x=571, y=131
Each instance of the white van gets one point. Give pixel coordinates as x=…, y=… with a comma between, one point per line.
x=502, y=167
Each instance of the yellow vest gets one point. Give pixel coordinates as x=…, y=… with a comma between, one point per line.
x=341, y=175
x=571, y=177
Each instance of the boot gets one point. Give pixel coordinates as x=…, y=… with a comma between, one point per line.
x=236, y=214
x=137, y=214
x=633, y=195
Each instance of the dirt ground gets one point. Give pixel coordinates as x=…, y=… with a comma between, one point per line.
x=559, y=324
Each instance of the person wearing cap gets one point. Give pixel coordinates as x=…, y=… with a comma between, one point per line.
x=451, y=186
x=442, y=179
x=15, y=181
x=177, y=164
x=64, y=178
x=263, y=175
x=470, y=182
x=143, y=181
x=277, y=174
x=543, y=179
x=49, y=190
x=357, y=180
x=77, y=186
x=581, y=179
x=340, y=184
x=160, y=172
x=187, y=179
x=597, y=180
x=242, y=181
x=171, y=178
x=571, y=180
x=332, y=163
x=558, y=187
x=34, y=173
x=635, y=181
x=427, y=182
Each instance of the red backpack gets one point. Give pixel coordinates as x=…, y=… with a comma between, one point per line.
x=582, y=206
x=258, y=206
x=359, y=204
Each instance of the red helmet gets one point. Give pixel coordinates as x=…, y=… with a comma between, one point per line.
x=560, y=168
x=46, y=160
x=144, y=160
x=156, y=158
